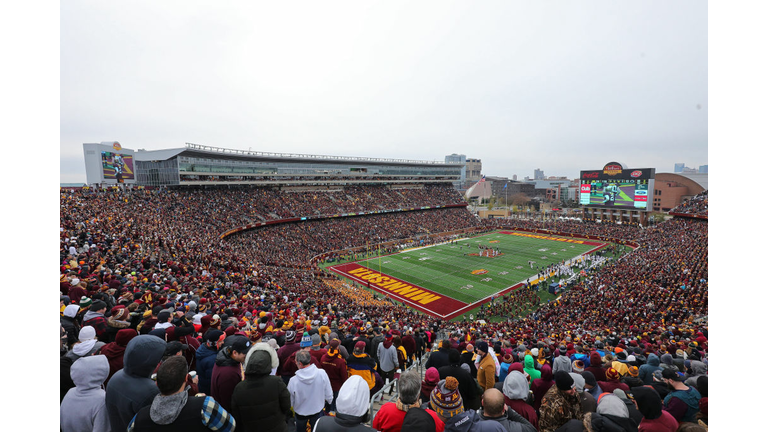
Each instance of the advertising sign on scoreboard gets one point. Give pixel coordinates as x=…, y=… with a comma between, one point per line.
x=615, y=186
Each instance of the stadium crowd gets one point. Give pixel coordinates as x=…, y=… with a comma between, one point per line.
x=697, y=206
x=145, y=278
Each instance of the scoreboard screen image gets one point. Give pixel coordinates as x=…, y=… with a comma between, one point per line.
x=617, y=187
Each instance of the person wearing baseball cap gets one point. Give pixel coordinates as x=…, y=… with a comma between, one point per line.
x=682, y=401
x=205, y=359
x=560, y=404
x=227, y=371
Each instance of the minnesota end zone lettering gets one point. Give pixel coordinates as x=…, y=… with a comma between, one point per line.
x=402, y=288
x=414, y=296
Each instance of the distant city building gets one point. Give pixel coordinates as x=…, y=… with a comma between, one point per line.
x=681, y=168
x=538, y=174
x=474, y=170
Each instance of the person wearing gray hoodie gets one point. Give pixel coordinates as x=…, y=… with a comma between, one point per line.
x=131, y=388
x=83, y=407
x=698, y=369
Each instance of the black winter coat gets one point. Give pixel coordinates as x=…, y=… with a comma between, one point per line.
x=261, y=402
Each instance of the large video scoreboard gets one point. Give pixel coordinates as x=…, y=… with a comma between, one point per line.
x=615, y=186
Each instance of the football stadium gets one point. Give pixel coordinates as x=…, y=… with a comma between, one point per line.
x=208, y=250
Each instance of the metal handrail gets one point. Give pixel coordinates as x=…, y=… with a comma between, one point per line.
x=417, y=365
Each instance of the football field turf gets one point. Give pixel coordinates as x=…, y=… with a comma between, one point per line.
x=448, y=279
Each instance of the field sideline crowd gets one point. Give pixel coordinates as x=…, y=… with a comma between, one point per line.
x=166, y=325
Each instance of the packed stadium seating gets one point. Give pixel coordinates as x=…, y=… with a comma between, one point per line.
x=143, y=248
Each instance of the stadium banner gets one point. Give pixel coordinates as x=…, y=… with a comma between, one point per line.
x=414, y=296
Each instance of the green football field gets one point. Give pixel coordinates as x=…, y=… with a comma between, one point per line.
x=452, y=270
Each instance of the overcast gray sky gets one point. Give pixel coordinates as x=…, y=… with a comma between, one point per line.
x=557, y=85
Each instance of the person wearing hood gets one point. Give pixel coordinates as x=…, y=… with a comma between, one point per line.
x=645, y=372
x=588, y=402
x=655, y=419
x=83, y=407
x=560, y=404
x=70, y=324
x=261, y=402
x=352, y=406
x=516, y=393
x=698, y=369
x=310, y=390
x=667, y=362
x=530, y=368
x=205, y=359
x=174, y=409
x=561, y=363
x=228, y=370
x=596, y=366
x=612, y=415
x=446, y=401
x=494, y=409
x=115, y=350
x=131, y=388
x=540, y=386
x=87, y=345
x=431, y=378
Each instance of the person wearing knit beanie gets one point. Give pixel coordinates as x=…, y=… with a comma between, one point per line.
x=431, y=378
x=306, y=340
x=445, y=398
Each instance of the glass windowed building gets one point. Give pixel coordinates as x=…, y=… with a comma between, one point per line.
x=195, y=165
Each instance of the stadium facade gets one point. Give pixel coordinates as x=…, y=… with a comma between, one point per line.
x=108, y=163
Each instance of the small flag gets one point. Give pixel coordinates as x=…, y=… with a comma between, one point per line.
x=482, y=179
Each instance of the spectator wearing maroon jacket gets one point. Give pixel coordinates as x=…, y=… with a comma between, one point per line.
x=596, y=366
x=540, y=386
x=96, y=319
x=336, y=369
x=114, y=351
